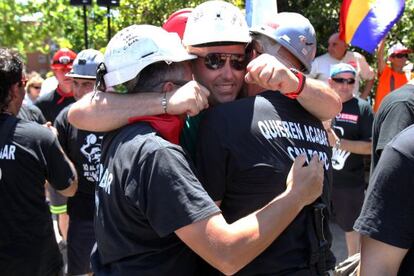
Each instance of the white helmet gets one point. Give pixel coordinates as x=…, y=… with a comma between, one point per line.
x=216, y=21
x=294, y=32
x=137, y=46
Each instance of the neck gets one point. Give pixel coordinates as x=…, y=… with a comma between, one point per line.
x=63, y=89
x=254, y=89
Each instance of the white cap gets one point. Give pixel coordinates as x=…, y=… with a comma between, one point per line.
x=398, y=48
x=137, y=46
x=216, y=21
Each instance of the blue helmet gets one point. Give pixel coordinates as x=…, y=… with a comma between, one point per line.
x=294, y=32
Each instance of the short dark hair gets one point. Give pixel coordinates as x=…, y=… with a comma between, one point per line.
x=11, y=71
x=155, y=74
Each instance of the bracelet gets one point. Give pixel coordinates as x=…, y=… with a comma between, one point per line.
x=164, y=102
x=338, y=143
x=302, y=79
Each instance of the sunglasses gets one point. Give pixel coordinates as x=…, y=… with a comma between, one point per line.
x=400, y=56
x=342, y=80
x=215, y=61
x=36, y=87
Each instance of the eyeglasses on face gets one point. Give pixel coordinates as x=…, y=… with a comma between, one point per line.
x=400, y=55
x=343, y=80
x=36, y=87
x=215, y=61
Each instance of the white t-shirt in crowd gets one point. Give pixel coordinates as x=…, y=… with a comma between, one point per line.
x=321, y=67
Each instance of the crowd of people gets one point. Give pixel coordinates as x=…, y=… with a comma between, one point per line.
x=204, y=147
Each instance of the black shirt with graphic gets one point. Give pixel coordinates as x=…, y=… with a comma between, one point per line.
x=29, y=155
x=354, y=123
x=31, y=113
x=147, y=191
x=388, y=211
x=245, y=151
x=51, y=104
x=395, y=114
x=84, y=149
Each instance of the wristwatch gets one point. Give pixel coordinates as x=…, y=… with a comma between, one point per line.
x=302, y=79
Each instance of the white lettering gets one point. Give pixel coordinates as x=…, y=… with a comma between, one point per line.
x=7, y=152
x=264, y=130
x=106, y=181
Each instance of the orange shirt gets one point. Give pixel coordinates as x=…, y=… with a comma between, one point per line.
x=385, y=84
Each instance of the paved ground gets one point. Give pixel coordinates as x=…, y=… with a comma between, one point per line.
x=338, y=244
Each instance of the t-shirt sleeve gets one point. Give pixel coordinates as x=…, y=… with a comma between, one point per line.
x=211, y=156
x=397, y=119
x=59, y=171
x=171, y=197
x=314, y=70
x=367, y=119
x=61, y=125
x=366, y=72
x=388, y=211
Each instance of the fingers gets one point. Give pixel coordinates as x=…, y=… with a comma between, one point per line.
x=299, y=161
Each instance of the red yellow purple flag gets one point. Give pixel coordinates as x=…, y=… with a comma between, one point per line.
x=364, y=23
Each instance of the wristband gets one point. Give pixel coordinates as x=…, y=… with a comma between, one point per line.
x=302, y=79
x=164, y=102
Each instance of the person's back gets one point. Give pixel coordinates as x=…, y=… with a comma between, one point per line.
x=29, y=156
x=141, y=226
x=395, y=114
x=256, y=140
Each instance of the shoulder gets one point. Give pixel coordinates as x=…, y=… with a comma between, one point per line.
x=63, y=115
x=46, y=97
x=364, y=104
x=34, y=132
x=355, y=55
x=138, y=138
x=403, y=142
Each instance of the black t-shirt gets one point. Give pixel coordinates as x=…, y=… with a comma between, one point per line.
x=51, y=104
x=388, y=211
x=245, y=151
x=354, y=122
x=147, y=191
x=84, y=149
x=395, y=114
x=31, y=113
x=29, y=155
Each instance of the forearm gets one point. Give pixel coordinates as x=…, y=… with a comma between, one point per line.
x=231, y=247
x=320, y=100
x=367, y=89
x=358, y=147
x=109, y=111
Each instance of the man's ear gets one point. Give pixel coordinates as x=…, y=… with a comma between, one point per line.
x=14, y=91
x=168, y=87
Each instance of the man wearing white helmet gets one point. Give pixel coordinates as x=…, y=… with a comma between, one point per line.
x=246, y=148
x=84, y=149
x=216, y=31
x=149, y=204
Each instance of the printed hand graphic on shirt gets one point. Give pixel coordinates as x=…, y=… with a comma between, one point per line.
x=339, y=158
x=91, y=149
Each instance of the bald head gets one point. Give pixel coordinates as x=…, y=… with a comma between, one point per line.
x=336, y=47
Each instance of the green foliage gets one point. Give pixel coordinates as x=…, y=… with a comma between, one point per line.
x=60, y=24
